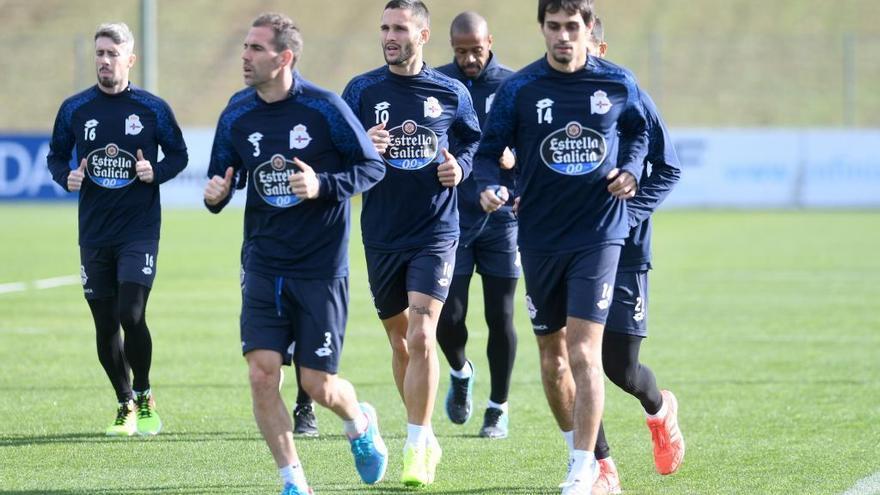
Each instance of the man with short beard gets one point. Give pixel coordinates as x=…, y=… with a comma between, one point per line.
x=487, y=242
x=117, y=129
x=424, y=126
x=302, y=155
x=579, y=129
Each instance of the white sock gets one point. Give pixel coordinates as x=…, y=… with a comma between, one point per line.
x=569, y=440
x=294, y=475
x=417, y=435
x=356, y=427
x=502, y=406
x=466, y=371
x=148, y=392
x=660, y=414
x=584, y=465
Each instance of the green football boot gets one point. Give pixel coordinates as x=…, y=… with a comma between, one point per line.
x=148, y=422
x=125, y=424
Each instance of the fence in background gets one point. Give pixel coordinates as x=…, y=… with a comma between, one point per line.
x=741, y=168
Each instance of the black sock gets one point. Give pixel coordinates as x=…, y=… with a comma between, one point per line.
x=138, y=343
x=109, y=345
x=620, y=357
x=498, y=295
x=302, y=398
x=603, y=451
x=452, y=334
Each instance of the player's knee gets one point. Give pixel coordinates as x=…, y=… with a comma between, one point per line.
x=499, y=318
x=420, y=341
x=318, y=386
x=554, y=365
x=131, y=319
x=263, y=378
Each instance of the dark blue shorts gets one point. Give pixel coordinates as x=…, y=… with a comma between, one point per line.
x=578, y=284
x=303, y=320
x=629, y=310
x=493, y=252
x=393, y=274
x=103, y=269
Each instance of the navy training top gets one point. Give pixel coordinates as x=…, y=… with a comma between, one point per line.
x=115, y=207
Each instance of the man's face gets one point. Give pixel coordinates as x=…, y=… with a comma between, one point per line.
x=260, y=60
x=112, y=62
x=565, y=35
x=402, y=36
x=472, y=51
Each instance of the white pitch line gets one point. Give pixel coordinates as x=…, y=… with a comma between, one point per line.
x=866, y=486
x=12, y=287
x=46, y=283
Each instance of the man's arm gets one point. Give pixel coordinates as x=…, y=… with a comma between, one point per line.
x=170, y=139
x=465, y=136
x=223, y=169
x=632, y=127
x=665, y=168
x=61, y=147
x=364, y=166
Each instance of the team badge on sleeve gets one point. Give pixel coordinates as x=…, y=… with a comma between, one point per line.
x=599, y=103
x=272, y=182
x=299, y=137
x=573, y=150
x=133, y=125
x=111, y=167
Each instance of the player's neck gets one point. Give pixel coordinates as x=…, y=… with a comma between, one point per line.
x=276, y=89
x=116, y=89
x=409, y=68
x=574, y=65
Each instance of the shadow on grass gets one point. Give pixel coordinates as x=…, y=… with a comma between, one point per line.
x=60, y=438
x=183, y=490
x=249, y=489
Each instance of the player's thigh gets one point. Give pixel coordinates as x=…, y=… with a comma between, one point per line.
x=386, y=272
x=430, y=269
x=319, y=314
x=590, y=281
x=464, y=261
x=98, y=272
x=137, y=262
x=496, y=254
x=629, y=309
x=265, y=322
x=545, y=291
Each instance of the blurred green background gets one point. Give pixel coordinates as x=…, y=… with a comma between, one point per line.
x=707, y=63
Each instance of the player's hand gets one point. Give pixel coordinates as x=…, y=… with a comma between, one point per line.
x=305, y=184
x=493, y=198
x=218, y=188
x=507, y=160
x=623, y=184
x=449, y=172
x=75, y=178
x=144, y=168
x=380, y=137
x=515, y=208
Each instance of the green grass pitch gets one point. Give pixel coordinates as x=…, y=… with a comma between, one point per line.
x=765, y=324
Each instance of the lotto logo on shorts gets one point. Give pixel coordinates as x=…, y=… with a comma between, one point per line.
x=325, y=349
